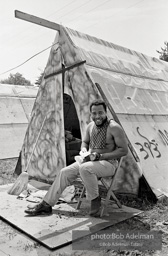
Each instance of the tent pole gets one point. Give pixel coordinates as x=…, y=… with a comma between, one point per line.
x=37, y=20
x=65, y=69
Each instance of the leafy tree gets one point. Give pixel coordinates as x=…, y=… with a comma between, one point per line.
x=39, y=79
x=164, y=52
x=16, y=79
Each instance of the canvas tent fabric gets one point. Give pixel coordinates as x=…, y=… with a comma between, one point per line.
x=16, y=104
x=135, y=87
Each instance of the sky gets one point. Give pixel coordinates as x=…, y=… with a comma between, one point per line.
x=140, y=25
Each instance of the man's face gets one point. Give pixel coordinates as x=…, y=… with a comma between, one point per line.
x=98, y=114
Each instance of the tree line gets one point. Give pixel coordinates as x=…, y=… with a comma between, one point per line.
x=18, y=79
x=164, y=52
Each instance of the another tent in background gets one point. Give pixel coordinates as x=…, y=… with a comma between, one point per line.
x=16, y=103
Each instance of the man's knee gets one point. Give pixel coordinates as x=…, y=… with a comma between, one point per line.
x=84, y=169
x=68, y=174
x=63, y=172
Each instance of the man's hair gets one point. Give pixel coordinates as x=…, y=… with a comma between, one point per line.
x=97, y=103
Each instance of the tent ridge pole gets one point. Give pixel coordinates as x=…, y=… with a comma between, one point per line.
x=36, y=20
x=65, y=69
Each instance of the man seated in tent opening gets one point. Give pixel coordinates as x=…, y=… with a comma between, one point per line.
x=106, y=142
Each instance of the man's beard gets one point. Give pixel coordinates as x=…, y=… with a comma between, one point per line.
x=103, y=122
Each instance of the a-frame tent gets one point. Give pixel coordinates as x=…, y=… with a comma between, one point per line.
x=16, y=102
x=81, y=68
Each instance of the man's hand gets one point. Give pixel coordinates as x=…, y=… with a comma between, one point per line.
x=95, y=156
x=87, y=156
x=92, y=157
x=86, y=159
x=83, y=150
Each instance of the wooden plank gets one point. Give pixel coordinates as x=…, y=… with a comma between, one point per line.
x=55, y=231
x=37, y=20
x=62, y=70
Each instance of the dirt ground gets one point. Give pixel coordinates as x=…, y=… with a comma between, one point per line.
x=153, y=218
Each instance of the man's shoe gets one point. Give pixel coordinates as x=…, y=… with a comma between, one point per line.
x=95, y=206
x=41, y=209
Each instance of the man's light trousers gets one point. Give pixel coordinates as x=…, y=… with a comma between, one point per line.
x=89, y=172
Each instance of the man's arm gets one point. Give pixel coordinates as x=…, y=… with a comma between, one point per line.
x=121, y=144
x=86, y=140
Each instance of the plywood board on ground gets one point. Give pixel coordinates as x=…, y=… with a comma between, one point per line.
x=55, y=231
